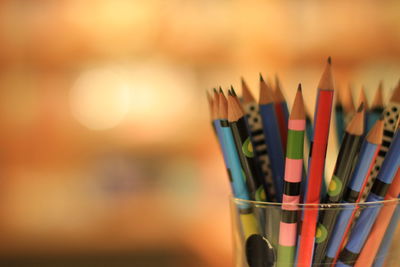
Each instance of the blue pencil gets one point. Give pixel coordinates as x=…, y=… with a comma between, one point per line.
x=387, y=239
x=368, y=153
x=367, y=218
x=229, y=152
x=272, y=135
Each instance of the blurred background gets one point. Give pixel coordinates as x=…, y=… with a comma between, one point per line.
x=107, y=157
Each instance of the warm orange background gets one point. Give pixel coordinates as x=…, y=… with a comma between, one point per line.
x=105, y=142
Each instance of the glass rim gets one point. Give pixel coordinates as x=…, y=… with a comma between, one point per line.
x=240, y=201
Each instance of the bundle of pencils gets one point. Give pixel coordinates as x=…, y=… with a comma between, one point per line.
x=262, y=145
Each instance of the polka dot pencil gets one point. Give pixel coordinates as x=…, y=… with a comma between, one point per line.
x=391, y=115
x=293, y=177
x=253, y=119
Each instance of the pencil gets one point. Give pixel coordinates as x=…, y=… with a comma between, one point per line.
x=293, y=177
x=339, y=116
x=365, y=162
x=317, y=163
x=391, y=116
x=245, y=148
x=272, y=135
x=282, y=111
x=347, y=103
x=253, y=119
x=235, y=170
x=363, y=99
x=345, y=163
x=362, y=227
x=377, y=107
x=370, y=249
x=387, y=238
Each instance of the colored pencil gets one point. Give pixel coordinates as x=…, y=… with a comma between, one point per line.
x=363, y=99
x=370, y=249
x=282, y=111
x=245, y=148
x=272, y=135
x=387, y=238
x=365, y=162
x=339, y=116
x=253, y=119
x=345, y=164
x=236, y=176
x=362, y=227
x=346, y=96
x=391, y=116
x=317, y=164
x=377, y=107
x=293, y=177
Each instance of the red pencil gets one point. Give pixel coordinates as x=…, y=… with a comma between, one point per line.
x=319, y=144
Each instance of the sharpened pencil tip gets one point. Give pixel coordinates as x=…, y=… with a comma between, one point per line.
x=215, y=90
x=361, y=107
x=233, y=91
x=261, y=78
x=329, y=60
x=299, y=87
x=220, y=90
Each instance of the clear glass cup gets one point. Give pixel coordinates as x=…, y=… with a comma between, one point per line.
x=256, y=225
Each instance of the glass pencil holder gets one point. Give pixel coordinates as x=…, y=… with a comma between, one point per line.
x=358, y=234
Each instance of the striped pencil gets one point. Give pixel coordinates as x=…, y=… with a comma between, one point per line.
x=377, y=107
x=272, y=135
x=317, y=164
x=391, y=116
x=293, y=177
x=345, y=163
x=378, y=231
x=362, y=227
x=253, y=119
x=365, y=162
x=282, y=111
x=244, y=146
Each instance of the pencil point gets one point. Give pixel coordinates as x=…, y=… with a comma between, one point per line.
x=329, y=60
x=246, y=94
x=356, y=124
x=266, y=93
x=220, y=90
x=360, y=107
x=375, y=135
x=396, y=94
x=326, y=82
x=233, y=91
x=261, y=78
x=298, y=109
